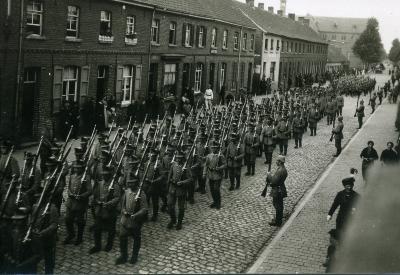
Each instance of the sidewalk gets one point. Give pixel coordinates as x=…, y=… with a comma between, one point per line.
x=300, y=246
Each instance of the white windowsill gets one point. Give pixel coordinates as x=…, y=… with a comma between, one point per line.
x=103, y=39
x=131, y=41
x=36, y=37
x=155, y=44
x=72, y=39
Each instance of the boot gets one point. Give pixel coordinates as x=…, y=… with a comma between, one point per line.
x=97, y=242
x=285, y=150
x=296, y=142
x=252, y=169
x=70, y=233
x=79, y=238
x=110, y=241
x=171, y=223
x=180, y=219
x=123, y=246
x=164, y=208
x=154, y=218
x=300, y=143
x=248, y=170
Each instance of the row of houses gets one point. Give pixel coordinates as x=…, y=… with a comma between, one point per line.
x=52, y=52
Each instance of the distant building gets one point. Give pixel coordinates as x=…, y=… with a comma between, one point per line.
x=336, y=60
x=341, y=32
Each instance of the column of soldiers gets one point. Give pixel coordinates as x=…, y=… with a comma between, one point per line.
x=117, y=178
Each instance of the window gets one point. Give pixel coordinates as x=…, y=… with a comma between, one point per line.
x=155, y=31
x=295, y=47
x=73, y=21
x=201, y=37
x=169, y=74
x=30, y=76
x=343, y=37
x=212, y=74
x=198, y=77
x=222, y=75
x=172, y=33
x=130, y=26
x=272, y=45
x=214, y=37
x=70, y=84
x=105, y=23
x=234, y=75
x=291, y=47
x=333, y=36
x=244, y=46
x=272, y=71
x=127, y=83
x=266, y=44
x=252, y=42
x=242, y=70
x=278, y=45
x=324, y=36
x=225, y=40
x=34, y=17
x=188, y=35
x=236, y=41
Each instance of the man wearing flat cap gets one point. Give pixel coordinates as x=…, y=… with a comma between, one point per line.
x=346, y=201
x=278, y=189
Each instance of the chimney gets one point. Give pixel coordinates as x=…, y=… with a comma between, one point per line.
x=306, y=21
x=261, y=6
x=283, y=7
x=250, y=3
x=292, y=16
x=279, y=12
x=301, y=19
x=271, y=9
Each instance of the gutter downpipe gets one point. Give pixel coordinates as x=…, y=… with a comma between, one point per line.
x=240, y=51
x=149, y=55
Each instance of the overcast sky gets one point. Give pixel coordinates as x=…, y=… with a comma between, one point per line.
x=386, y=11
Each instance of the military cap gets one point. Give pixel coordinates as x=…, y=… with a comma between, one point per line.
x=78, y=151
x=29, y=156
x=179, y=154
x=78, y=164
x=281, y=159
x=133, y=162
x=102, y=136
x=85, y=139
x=120, y=130
x=105, y=153
x=215, y=144
x=133, y=180
x=51, y=161
x=107, y=170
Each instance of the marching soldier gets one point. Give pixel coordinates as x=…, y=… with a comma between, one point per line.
x=313, y=118
x=330, y=112
x=106, y=194
x=251, y=142
x=213, y=171
x=297, y=128
x=282, y=135
x=12, y=168
x=340, y=104
x=360, y=114
x=133, y=214
x=267, y=139
x=234, y=156
x=198, y=164
x=30, y=183
x=373, y=102
x=338, y=133
x=178, y=179
x=79, y=191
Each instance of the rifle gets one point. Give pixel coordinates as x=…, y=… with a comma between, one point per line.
x=85, y=172
x=7, y=197
x=53, y=191
x=7, y=162
x=66, y=140
x=18, y=198
x=109, y=132
x=90, y=145
x=36, y=158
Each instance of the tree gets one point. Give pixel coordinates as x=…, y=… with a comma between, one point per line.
x=394, y=54
x=368, y=46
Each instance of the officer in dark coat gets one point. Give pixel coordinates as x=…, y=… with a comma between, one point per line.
x=278, y=189
x=267, y=140
x=346, y=201
x=251, y=143
x=133, y=214
x=79, y=190
x=106, y=195
x=313, y=117
x=338, y=133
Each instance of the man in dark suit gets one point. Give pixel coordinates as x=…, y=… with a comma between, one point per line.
x=278, y=189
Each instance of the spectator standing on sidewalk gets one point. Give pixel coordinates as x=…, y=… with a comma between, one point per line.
x=368, y=155
x=372, y=102
x=208, y=97
x=389, y=156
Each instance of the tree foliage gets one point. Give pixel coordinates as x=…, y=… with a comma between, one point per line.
x=394, y=54
x=368, y=46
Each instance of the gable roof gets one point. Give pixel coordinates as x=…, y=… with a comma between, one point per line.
x=218, y=10
x=278, y=25
x=339, y=24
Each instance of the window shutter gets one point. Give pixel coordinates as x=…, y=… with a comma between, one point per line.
x=198, y=36
x=183, y=34
x=119, y=83
x=191, y=35
x=205, y=37
x=204, y=84
x=138, y=81
x=57, y=88
x=216, y=37
x=84, y=88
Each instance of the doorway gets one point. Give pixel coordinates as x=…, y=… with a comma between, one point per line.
x=31, y=77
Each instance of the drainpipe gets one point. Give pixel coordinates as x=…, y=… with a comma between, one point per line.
x=149, y=58
x=19, y=65
x=240, y=52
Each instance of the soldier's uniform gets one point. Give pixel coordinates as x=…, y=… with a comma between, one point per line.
x=251, y=142
x=133, y=214
x=330, y=111
x=30, y=183
x=213, y=171
x=267, y=139
x=360, y=114
x=313, y=117
x=298, y=128
x=282, y=131
x=338, y=132
x=373, y=103
x=234, y=157
x=79, y=191
x=12, y=168
x=340, y=104
x=200, y=153
x=106, y=195
x=153, y=183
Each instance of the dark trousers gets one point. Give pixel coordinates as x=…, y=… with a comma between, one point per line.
x=136, y=234
x=338, y=145
x=234, y=174
x=373, y=108
x=172, y=199
x=268, y=157
x=330, y=118
x=200, y=183
x=49, y=259
x=360, y=121
x=108, y=225
x=277, y=202
x=298, y=139
x=190, y=191
x=78, y=217
x=313, y=131
x=155, y=199
x=340, y=110
x=215, y=189
x=283, y=148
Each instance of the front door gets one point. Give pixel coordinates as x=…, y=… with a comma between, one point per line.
x=31, y=76
x=153, y=79
x=102, y=79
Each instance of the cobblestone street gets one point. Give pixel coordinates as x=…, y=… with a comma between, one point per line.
x=228, y=240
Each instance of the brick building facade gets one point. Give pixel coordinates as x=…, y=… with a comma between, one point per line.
x=73, y=50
